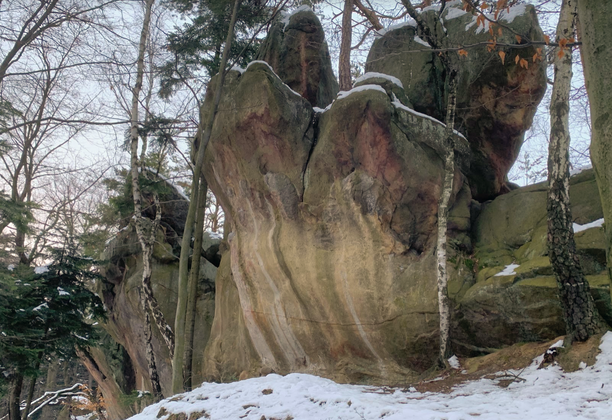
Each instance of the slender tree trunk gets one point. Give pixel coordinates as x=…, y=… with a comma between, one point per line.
x=16, y=384
x=181, y=306
x=581, y=317
x=29, y=397
x=596, y=36
x=344, y=66
x=443, y=207
x=145, y=228
x=194, y=276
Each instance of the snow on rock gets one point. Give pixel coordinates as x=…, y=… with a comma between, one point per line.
x=508, y=271
x=409, y=22
x=287, y=16
x=214, y=235
x=62, y=292
x=238, y=69
x=373, y=74
x=11, y=267
x=343, y=94
x=543, y=394
x=454, y=362
x=580, y=228
x=396, y=102
x=576, y=171
x=418, y=40
x=454, y=12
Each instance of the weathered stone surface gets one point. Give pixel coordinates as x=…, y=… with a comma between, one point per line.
x=331, y=267
x=123, y=279
x=297, y=51
x=496, y=101
x=501, y=310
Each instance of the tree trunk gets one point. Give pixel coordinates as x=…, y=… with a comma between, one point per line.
x=95, y=362
x=15, y=386
x=443, y=207
x=194, y=276
x=145, y=229
x=596, y=36
x=344, y=65
x=50, y=385
x=580, y=314
x=181, y=305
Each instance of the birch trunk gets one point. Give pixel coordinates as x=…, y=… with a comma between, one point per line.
x=581, y=317
x=145, y=229
x=596, y=36
x=344, y=65
x=204, y=137
x=443, y=207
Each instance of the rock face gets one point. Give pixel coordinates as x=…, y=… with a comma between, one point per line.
x=121, y=292
x=499, y=310
x=297, y=51
x=331, y=267
x=496, y=100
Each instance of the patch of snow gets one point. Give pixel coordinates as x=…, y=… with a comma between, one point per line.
x=582, y=365
x=272, y=70
x=80, y=337
x=516, y=10
x=454, y=12
x=11, y=267
x=343, y=94
x=454, y=362
x=287, y=16
x=42, y=269
x=41, y=306
x=576, y=171
x=373, y=74
x=543, y=394
x=418, y=40
x=580, y=228
x=508, y=271
x=409, y=22
x=62, y=292
x=238, y=69
x=214, y=235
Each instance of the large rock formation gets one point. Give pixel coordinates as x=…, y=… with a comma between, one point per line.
x=330, y=268
x=520, y=304
x=496, y=100
x=121, y=291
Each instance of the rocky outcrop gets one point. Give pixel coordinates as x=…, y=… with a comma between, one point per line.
x=122, y=287
x=331, y=267
x=297, y=51
x=521, y=304
x=496, y=100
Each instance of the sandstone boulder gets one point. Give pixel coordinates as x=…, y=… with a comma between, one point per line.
x=297, y=51
x=499, y=310
x=331, y=267
x=496, y=100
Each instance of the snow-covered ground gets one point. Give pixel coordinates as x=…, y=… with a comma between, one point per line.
x=541, y=394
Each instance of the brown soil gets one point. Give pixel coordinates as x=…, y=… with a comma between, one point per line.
x=496, y=365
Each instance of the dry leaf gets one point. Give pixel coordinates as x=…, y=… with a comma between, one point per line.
x=463, y=53
x=516, y=60
x=547, y=39
x=502, y=55
x=518, y=38
x=499, y=31
x=560, y=54
x=524, y=63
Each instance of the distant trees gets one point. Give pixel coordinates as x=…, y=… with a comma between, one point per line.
x=43, y=312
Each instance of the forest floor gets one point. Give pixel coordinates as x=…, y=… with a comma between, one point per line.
x=513, y=383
